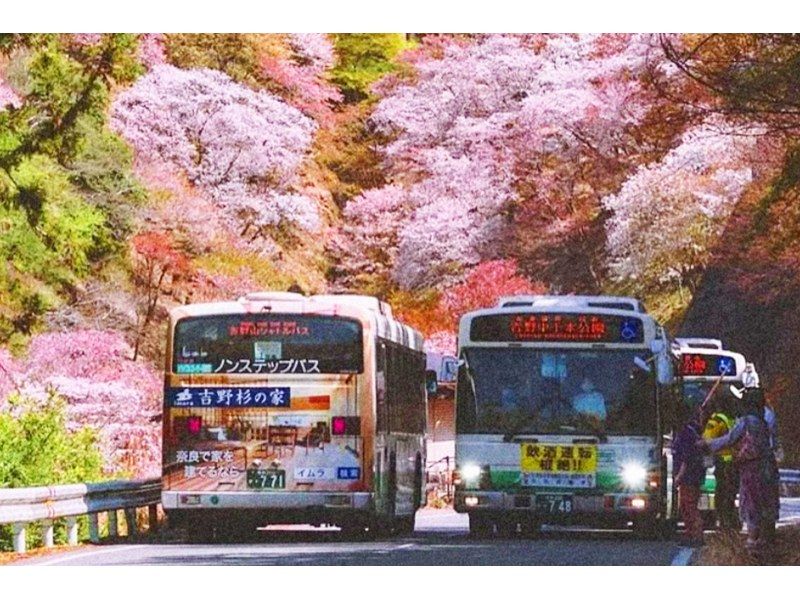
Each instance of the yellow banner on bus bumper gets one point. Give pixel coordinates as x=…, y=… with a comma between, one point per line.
x=573, y=465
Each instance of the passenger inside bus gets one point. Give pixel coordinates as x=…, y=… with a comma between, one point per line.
x=589, y=401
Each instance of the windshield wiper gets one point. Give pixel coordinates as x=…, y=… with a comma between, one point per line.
x=509, y=436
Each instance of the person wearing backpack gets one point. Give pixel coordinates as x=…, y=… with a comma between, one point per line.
x=750, y=440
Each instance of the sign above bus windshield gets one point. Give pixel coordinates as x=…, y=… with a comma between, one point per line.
x=267, y=344
x=701, y=364
x=557, y=327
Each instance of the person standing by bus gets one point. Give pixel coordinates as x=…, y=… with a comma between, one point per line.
x=753, y=455
x=691, y=472
x=725, y=472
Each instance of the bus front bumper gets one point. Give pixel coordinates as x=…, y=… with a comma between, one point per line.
x=612, y=506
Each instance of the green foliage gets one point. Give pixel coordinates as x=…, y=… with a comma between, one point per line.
x=363, y=58
x=67, y=192
x=349, y=152
x=237, y=54
x=37, y=448
x=70, y=229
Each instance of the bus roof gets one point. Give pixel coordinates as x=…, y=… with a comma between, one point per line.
x=578, y=301
x=699, y=343
x=621, y=307
x=361, y=307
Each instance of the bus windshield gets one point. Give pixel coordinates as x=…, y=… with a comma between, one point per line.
x=695, y=392
x=519, y=390
x=268, y=344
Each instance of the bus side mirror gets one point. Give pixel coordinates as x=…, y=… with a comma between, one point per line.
x=736, y=392
x=431, y=382
x=664, y=372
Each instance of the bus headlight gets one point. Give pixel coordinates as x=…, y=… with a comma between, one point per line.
x=634, y=475
x=471, y=472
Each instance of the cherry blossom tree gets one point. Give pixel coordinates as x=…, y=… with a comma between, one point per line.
x=104, y=389
x=303, y=78
x=668, y=214
x=151, y=49
x=475, y=133
x=8, y=97
x=243, y=147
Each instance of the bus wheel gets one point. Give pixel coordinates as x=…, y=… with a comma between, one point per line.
x=530, y=528
x=201, y=532
x=480, y=525
x=651, y=528
x=404, y=525
x=507, y=528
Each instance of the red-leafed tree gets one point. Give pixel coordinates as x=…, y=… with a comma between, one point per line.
x=484, y=286
x=157, y=263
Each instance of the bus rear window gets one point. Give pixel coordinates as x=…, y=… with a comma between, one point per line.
x=267, y=344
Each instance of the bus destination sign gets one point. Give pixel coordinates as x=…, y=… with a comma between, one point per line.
x=557, y=327
x=701, y=364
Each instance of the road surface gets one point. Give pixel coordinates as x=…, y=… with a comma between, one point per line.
x=440, y=538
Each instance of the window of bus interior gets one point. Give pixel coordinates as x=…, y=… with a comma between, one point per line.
x=695, y=392
x=267, y=343
x=405, y=389
x=555, y=391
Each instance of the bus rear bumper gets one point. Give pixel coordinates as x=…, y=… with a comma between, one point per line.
x=267, y=501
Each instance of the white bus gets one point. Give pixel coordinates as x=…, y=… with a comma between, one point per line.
x=704, y=369
x=281, y=408
x=560, y=415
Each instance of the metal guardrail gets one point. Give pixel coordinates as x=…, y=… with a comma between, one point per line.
x=21, y=506
x=790, y=476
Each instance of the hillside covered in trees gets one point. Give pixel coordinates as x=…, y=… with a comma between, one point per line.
x=435, y=171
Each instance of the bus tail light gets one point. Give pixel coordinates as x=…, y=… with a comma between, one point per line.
x=194, y=424
x=346, y=426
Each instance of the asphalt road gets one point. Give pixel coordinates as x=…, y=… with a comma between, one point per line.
x=440, y=538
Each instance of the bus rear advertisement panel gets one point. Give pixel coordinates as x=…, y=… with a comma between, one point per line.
x=292, y=424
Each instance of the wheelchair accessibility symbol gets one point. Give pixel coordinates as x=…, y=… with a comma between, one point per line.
x=726, y=366
x=629, y=330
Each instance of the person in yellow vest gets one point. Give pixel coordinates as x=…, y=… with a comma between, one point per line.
x=725, y=471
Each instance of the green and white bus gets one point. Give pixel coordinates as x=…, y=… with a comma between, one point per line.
x=704, y=369
x=560, y=415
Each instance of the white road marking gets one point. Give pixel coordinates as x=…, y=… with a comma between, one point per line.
x=84, y=553
x=682, y=558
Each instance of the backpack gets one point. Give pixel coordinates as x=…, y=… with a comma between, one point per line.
x=747, y=448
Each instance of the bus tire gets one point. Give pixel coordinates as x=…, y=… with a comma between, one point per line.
x=480, y=526
x=530, y=528
x=506, y=527
x=404, y=525
x=418, y=495
x=652, y=528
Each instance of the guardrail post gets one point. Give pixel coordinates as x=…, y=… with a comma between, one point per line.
x=130, y=520
x=152, y=517
x=94, y=529
x=19, y=537
x=47, y=533
x=113, y=530
x=72, y=531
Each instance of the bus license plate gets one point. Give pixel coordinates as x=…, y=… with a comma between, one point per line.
x=265, y=479
x=554, y=504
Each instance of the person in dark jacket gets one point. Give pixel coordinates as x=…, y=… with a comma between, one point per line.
x=690, y=473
